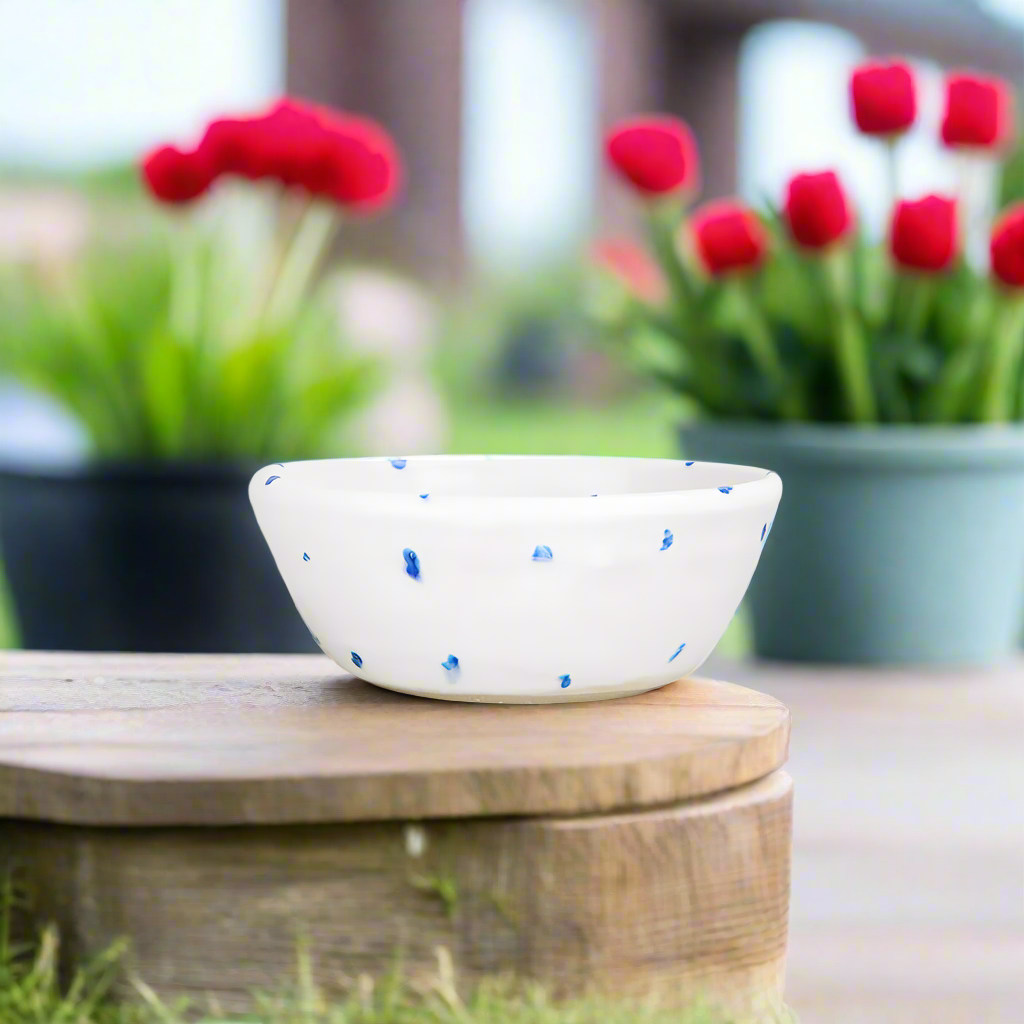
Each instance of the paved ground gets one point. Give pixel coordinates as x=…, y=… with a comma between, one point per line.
x=908, y=874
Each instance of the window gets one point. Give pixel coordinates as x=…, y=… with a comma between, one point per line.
x=530, y=126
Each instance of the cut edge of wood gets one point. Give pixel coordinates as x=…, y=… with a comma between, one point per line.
x=44, y=795
x=37, y=792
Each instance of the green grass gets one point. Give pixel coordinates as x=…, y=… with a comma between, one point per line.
x=119, y=181
x=30, y=993
x=641, y=426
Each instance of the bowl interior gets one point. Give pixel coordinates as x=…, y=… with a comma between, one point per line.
x=520, y=476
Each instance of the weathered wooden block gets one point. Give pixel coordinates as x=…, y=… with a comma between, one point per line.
x=215, y=809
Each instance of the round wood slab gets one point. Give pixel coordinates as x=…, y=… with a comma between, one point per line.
x=143, y=740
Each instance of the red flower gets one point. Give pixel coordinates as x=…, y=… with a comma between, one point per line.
x=233, y=146
x=323, y=152
x=631, y=264
x=287, y=143
x=729, y=237
x=979, y=111
x=294, y=146
x=883, y=98
x=817, y=210
x=924, y=234
x=1007, y=247
x=366, y=167
x=176, y=177
x=655, y=154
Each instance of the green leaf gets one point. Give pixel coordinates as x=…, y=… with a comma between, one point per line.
x=164, y=379
x=904, y=368
x=99, y=342
x=321, y=402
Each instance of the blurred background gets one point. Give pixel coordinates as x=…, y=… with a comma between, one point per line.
x=470, y=289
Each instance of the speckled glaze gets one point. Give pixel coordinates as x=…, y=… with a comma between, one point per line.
x=522, y=579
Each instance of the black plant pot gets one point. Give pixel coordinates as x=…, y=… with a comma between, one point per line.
x=146, y=557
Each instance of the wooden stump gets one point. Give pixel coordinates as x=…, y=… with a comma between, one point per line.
x=216, y=809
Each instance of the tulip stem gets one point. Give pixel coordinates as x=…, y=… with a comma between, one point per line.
x=893, y=171
x=663, y=230
x=761, y=345
x=965, y=176
x=917, y=295
x=311, y=240
x=289, y=211
x=186, y=282
x=1000, y=388
x=851, y=346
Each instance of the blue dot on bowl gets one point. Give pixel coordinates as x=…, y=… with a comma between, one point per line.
x=424, y=496
x=679, y=650
x=542, y=553
x=398, y=463
x=564, y=680
x=271, y=479
x=356, y=660
x=412, y=563
x=451, y=663
x=725, y=490
x=689, y=463
x=666, y=541
x=764, y=530
x=305, y=557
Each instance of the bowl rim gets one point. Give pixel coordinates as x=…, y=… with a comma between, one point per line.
x=767, y=487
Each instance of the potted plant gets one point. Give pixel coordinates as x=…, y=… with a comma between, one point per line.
x=883, y=379
x=189, y=363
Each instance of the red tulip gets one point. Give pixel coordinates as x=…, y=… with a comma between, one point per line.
x=348, y=159
x=232, y=146
x=979, y=111
x=173, y=176
x=631, y=264
x=883, y=98
x=366, y=167
x=287, y=143
x=729, y=237
x=817, y=210
x=655, y=154
x=1007, y=247
x=924, y=235
x=295, y=146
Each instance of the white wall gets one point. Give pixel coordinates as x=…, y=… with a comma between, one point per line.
x=86, y=82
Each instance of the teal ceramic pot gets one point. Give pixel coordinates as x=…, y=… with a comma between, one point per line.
x=891, y=545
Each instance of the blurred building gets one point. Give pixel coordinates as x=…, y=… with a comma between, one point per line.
x=498, y=104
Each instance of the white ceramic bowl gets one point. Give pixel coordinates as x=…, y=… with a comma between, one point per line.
x=516, y=579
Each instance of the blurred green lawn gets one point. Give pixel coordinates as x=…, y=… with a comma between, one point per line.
x=641, y=426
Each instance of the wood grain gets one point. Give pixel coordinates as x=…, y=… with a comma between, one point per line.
x=144, y=740
x=676, y=902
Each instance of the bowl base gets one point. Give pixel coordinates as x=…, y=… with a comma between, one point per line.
x=477, y=698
